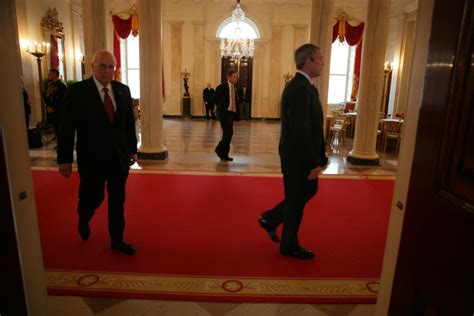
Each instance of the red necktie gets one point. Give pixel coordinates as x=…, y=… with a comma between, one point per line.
x=109, y=106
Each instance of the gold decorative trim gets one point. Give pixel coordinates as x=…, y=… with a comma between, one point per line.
x=237, y=174
x=212, y=286
x=126, y=13
x=51, y=21
x=342, y=15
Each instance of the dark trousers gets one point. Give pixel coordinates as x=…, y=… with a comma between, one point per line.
x=209, y=110
x=298, y=191
x=226, y=119
x=91, y=195
x=52, y=118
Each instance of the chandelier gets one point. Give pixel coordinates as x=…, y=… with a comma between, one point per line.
x=237, y=45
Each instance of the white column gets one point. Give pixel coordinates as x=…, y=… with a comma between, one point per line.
x=197, y=103
x=151, y=98
x=403, y=83
x=257, y=79
x=322, y=21
x=95, y=32
x=77, y=38
x=300, y=36
x=214, y=62
x=275, y=85
x=176, y=53
x=371, y=84
x=19, y=188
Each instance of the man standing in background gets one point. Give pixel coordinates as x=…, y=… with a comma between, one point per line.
x=53, y=97
x=208, y=95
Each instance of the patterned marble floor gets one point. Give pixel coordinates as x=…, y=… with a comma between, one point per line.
x=190, y=144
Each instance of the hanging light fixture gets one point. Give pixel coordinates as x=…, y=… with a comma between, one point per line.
x=238, y=44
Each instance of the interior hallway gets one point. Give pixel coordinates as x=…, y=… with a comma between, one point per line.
x=190, y=144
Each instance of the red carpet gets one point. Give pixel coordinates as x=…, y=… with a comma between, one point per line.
x=197, y=238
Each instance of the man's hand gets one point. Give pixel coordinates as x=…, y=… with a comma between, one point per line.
x=65, y=169
x=314, y=173
x=133, y=159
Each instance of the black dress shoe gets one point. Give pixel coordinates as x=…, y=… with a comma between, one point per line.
x=84, y=230
x=124, y=247
x=270, y=230
x=221, y=156
x=301, y=253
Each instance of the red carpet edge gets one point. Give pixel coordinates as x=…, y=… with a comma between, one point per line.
x=217, y=289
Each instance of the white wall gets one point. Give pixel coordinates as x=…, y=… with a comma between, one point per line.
x=400, y=10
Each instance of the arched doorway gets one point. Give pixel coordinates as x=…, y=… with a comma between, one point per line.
x=236, y=53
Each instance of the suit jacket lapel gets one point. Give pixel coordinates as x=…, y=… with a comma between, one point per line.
x=95, y=92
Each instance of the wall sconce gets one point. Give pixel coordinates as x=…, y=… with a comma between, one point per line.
x=387, y=67
x=287, y=77
x=39, y=50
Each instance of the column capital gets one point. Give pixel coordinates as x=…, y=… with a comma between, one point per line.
x=300, y=26
x=175, y=23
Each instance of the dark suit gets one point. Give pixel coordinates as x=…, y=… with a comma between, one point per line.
x=301, y=149
x=103, y=149
x=226, y=117
x=208, y=95
x=53, y=97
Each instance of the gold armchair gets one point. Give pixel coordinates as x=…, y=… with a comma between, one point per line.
x=391, y=132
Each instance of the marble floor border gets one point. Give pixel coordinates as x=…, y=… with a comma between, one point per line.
x=236, y=174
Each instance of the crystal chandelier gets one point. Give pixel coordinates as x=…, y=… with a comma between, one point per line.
x=237, y=45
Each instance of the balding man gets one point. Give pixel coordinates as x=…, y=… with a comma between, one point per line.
x=99, y=111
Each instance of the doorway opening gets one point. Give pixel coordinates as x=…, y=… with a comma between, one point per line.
x=243, y=66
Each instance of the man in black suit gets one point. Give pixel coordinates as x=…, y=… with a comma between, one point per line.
x=226, y=100
x=208, y=95
x=53, y=96
x=302, y=151
x=99, y=111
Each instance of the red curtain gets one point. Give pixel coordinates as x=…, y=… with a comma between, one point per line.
x=53, y=53
x=342, y=30
x=355, y=78
x=122, y=29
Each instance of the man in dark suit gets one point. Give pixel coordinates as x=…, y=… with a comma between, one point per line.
x=302, y=151
x=226, y=100
x=208, y=95
x=53, y=96
x=99, y=111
